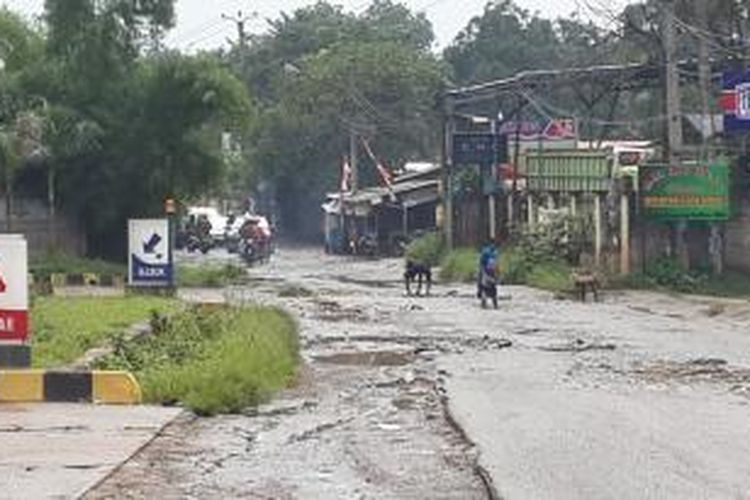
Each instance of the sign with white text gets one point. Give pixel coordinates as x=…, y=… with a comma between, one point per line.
x=149, y=257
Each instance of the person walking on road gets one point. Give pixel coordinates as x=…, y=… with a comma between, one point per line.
x=489, y=254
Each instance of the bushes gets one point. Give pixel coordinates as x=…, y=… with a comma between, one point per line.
x=58, y=262
x=213, y=362
x=209, y=276
x=427, y=250
x=460, y=265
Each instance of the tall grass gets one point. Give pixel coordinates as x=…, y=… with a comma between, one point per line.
x=460, y=265
x=214, y=362
x=209, y=275
x=57, y=262
x=64, y=328
x=427, y=250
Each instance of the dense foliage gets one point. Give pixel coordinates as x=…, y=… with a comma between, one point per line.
x=107, y=123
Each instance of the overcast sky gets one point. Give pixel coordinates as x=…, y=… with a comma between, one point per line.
x=200, y=26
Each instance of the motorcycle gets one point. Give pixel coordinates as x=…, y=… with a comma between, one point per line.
x=196, y=243
x=252, y=251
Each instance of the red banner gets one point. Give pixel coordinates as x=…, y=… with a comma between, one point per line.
x=14, y=325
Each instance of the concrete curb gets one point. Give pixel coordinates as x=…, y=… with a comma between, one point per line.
x=106, y=387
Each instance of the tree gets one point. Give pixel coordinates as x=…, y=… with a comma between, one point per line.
x=321, y=71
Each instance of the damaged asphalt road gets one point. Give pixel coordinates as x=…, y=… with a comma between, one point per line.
x=642, y=396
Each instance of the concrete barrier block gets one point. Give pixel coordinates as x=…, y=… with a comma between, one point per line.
x=116, y=388
x=21, y=386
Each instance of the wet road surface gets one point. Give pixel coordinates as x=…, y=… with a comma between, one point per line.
x=642, y=396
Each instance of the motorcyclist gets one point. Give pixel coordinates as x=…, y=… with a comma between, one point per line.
x=204, y=227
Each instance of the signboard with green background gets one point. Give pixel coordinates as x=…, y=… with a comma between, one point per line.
x=690, y=191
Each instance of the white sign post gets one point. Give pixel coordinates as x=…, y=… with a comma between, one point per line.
x=14, y=289
x=150, y=253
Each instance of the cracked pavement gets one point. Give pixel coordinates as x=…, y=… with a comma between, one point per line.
x=641, y=396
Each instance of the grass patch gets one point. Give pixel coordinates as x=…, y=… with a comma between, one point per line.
x=219, y=361
x=209, y=276
x=460, y=265
x=426, y=250
x=666, y=275
x=65, y=328
x=55, y=262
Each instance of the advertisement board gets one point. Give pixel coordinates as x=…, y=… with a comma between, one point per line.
x=685, y=192
x=14, y=288
x=735, y=101
x=150, y=256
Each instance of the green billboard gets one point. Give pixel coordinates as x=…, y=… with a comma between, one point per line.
x=690, y=191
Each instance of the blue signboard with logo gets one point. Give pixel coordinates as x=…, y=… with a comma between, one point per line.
x=735, y=101
x=150, y=253
x=479, y=148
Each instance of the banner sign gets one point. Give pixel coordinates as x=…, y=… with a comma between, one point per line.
x=685, y=192
x=14, y=288
x=562, y=129
x=735, y=101
x=149, y=257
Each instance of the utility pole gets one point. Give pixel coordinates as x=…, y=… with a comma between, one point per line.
x=672, y=79
x=449, y=123
x=353, y=160
x=700, y=8
x=674, y=115
x=715, y=240
x=241, y=20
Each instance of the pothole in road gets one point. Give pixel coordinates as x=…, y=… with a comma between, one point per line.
x=579, y=345
x=368, y=283
x=367, y=358
x=334, y=312
x=697, y=370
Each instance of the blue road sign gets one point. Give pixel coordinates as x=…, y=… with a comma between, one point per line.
x=150, y=259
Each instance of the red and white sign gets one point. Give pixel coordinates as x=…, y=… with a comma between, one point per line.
x=14, y=288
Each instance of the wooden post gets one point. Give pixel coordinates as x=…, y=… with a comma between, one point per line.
x=598, y=236
x=492, y=217
x=405, y=219
x=511, y=211
x=625, y=233
x=532, y=210
x=716, y=249
x=449, y=124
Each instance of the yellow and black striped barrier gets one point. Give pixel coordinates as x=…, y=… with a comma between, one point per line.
x=59, y=280
x=106, y=387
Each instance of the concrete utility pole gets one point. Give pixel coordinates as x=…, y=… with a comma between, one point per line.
x=353, y=160
x=674, y=113
x=241, y=20
x=672, y=80
x=449, y=124
x=700, y=7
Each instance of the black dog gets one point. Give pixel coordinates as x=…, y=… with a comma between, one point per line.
x=419, y=273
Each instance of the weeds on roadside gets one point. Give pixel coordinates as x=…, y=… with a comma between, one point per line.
x=214, y=362
x=57, y=262
x=209, y=275
x=66, y=327
x=426, y=250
